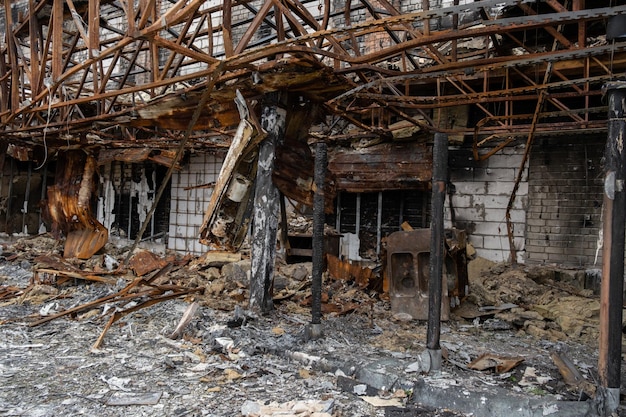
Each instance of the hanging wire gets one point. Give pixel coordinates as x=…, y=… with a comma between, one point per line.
x=47, y=83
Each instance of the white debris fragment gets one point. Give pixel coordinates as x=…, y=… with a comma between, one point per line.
x=115, y=383
x=50, y=308
x=549, y=409
x=360, y=389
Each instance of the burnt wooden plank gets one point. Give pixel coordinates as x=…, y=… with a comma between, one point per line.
x=387, y=166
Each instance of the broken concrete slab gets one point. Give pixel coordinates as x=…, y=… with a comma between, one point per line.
x=495, y=401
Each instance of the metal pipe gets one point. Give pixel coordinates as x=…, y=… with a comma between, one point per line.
x=401, y=214
x=338, y=219
x=44, y=185
x=26, y=195
x=130, y=206
x=611, y=294
x=439, y=181
x=318, y=233
x=9, y=197
x=357, y=227
x=152, y=217
x=379, y=222
x=3, y=158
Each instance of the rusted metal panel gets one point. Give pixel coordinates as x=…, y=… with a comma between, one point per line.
x=408, y=270
x=21, y=153
x=137, y=155
x=408, y=263
x=339, y=269
x=144, y=262
x=388, y=166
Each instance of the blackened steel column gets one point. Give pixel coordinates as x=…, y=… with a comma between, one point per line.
x=266, y=209
x=611, y=295
x=318, y=239
x=439, y=181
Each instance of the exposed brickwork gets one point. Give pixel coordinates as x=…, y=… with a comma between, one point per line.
x=482, y=191
x=565, y=201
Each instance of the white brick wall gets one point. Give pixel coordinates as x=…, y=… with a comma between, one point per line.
x=188, y=206
x=480, y=201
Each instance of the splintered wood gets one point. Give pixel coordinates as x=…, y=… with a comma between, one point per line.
x=142, y=292
x=349, y=271
x=68, y=208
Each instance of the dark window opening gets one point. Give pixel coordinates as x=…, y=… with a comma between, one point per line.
x=129, y=210
x=359, y=213
x=22, y=189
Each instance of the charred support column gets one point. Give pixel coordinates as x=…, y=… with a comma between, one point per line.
x=266, y=209
x=439, y=181
x=611, y=295
x=315, y=329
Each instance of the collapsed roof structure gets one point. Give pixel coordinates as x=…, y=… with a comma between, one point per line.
x=119, y=75
x=89, y=82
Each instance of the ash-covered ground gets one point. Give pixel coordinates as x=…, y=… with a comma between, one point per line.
x=230, y=361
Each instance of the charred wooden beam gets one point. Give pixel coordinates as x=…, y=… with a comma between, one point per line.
x=318, y=238
x=68, y=207
x=400, y=166
x=266, y=208
x=437, y=238
x=612, y=289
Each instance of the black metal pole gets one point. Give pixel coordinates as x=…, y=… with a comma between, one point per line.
x=611, y=296
x=318, y=239
x=439, y=181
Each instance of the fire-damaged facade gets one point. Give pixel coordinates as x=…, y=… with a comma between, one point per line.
x=364, y=132
x=380, y=156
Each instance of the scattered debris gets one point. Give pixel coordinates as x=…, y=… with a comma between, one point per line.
x=228, y=351
x=306, y=408
x=184, y=321
x=572, y=375
x=500, y=364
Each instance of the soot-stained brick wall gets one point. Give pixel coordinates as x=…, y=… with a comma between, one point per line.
x=481, y=193
x=565, y=201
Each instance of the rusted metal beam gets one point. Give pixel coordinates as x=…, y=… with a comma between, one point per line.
x=34, y=31
x=12, y=55
x=57, y=39
x=169, y=28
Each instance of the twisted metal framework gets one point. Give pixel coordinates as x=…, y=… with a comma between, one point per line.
x=127, y=73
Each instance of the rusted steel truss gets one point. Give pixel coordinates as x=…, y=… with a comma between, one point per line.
x=130, y=73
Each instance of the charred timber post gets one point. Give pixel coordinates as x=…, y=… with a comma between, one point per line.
x=611, y=295
x=318, y=239
x=439, y=181
x=266, y=208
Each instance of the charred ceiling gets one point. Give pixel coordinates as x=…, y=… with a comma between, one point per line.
x=127, y=74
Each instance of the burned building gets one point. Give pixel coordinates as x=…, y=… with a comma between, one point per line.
x=190, y=123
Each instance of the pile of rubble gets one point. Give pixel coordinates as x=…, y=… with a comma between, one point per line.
x=171, y=335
